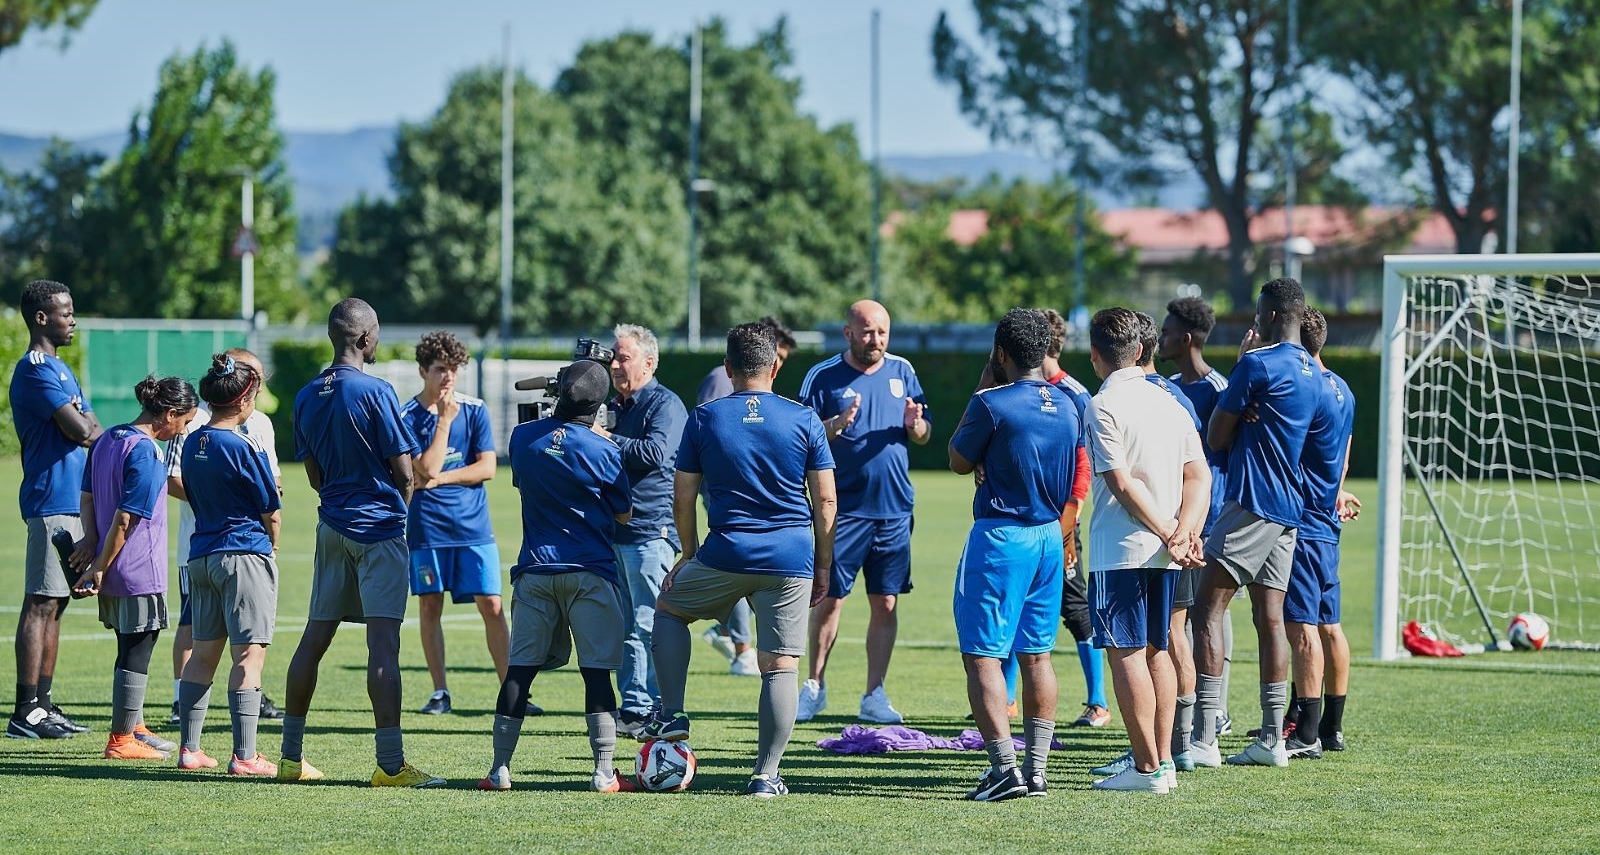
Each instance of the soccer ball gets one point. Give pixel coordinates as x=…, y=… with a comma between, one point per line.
x=665, y=767
x=1528, y=631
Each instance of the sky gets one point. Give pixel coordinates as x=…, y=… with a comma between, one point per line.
x=344, y=64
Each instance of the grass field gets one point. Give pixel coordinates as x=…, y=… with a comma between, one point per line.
x=1492, y=753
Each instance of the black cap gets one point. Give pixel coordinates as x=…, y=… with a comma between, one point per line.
x=584, y=387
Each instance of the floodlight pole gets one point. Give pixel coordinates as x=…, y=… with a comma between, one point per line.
x=877, y=172
x=694, y=189
x=507, y=95
x=247, y=258
x=1291, y=259
x=1514, y=143
x=1079, y=164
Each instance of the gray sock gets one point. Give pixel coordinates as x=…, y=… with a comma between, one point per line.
x=391, y=749
x=294, y=736
x=602, y=738
x=193, y=699
x=1274, y=697
x=1227, y=663
x=1208, y=702
x=127, y=700
x=1002, y=754
x=244, y=707
x=1183, y=723
x=507, y=731
x=1040, y=733
x=780, y=700
x=670, y=647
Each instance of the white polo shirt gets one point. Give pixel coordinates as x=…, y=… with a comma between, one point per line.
x=1134, y=425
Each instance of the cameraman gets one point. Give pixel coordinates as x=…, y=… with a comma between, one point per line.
x=649, y=425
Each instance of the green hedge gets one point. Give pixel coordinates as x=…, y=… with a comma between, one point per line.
x=14, y=343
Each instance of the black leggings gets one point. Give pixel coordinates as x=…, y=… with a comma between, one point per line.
x=598, y=696
x=1075, y=597
x=134, y=650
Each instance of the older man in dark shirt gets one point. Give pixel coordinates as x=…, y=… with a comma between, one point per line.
x=649, y=426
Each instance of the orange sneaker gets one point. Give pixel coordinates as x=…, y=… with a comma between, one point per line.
x=196, y=759
x=125, y=746
x=612, y=783
x=1012, y=711
x=257, y=765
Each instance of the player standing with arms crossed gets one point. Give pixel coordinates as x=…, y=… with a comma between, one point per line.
x=871, y=404
x=452, y=544
x=1252, y=542
x=233, y=575
x=564, y=586
x=357, y=451
x=123, y=554
x=55, y=424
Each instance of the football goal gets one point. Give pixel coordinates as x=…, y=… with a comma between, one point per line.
x=1489, y=468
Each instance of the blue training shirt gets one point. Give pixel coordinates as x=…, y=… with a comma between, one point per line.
x=52, y=465
x=1284, y=386
x=228, y=477
x=1170, y=388
x=350, y=423
x=874, y=475
x=1014, y=431
x=573, y=485
x=454, y=514
x=753, y=450
x=1327, y=446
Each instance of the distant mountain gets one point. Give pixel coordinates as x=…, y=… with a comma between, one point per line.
x=330, y=170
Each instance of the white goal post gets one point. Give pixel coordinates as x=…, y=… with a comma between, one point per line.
x=1489, y=459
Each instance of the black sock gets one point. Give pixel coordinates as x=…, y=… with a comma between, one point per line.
x=44, y=691
x=1293, y=712
x=1333, y=717
x=1310, y=719
x=27, y=695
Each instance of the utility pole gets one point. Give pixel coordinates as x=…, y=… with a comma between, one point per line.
x=1291, y=259
x=1080, y=313
x=694, y=187
x=1514, y=144
x=247, y=254
x=877, y=172
x=507, y=95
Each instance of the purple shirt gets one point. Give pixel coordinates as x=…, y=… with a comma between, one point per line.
x=126, y=473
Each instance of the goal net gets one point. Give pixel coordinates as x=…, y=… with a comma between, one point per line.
x=1489, y=469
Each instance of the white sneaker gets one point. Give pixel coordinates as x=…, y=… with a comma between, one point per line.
x=1169, y=773
x=1132, y=780
x=875, y=708
x=744, y=665
x=813, y=699
x=1259, y=754
x=722, y=643
x=1209, y=756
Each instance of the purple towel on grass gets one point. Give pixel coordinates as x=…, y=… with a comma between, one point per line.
x=860, y=739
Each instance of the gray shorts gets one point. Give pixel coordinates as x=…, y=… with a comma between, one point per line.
x=234, y=596
x=1254, y=551
x=355, y=581
x=551, y=613
x=1188, y=587
x=124, y=615
x=781, y=603
x=44, y=576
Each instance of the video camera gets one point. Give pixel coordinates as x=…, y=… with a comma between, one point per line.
x=586, y=349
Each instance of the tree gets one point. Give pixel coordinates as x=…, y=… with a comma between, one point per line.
x=1435, y=96
x=17, y=17
x=1189, y=80
x=43, y=231
x=787, y=228
x=595, y=233
x=168, y=206
x=1024, y=259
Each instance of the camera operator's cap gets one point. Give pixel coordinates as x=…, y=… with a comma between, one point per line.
x=584, y=387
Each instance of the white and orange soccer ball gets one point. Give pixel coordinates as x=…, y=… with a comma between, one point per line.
x=665, y=767
x=1528, y=631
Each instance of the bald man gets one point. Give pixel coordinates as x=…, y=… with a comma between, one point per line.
x=871, y=406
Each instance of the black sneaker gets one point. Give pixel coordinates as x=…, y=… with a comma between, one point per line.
x=999, y=786
x=176, y=719
x=438, y=704
x=763, y=787
x=1036, y=784
x=39, y=723
x=1334, y=742
x=633, y=724
x=270, y=710
x=71, y=725
x=1298, y=750
x=673, y=729
x=533, y=709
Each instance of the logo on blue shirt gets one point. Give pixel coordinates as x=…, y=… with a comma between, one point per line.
x=202, y=441
x=897, y=387
x=327, y=386
x=1049, y=405
x=752, y=415
x=556, y=436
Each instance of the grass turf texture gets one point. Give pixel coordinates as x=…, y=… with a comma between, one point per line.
x=1484, y=754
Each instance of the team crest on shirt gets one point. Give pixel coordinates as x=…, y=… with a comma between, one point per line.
x=451, y=455
x=327, y=385
x=203, y=440
x=1049, y=405
x=752, y=414
x=897, y=387
x=557, y=436
x=1305, y=366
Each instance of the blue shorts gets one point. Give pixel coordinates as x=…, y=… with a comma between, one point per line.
x=1313, y=595
x=1133, y=608
x=1008, y=589
x=185, y=614
x=880, y=548
x=465, y=571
